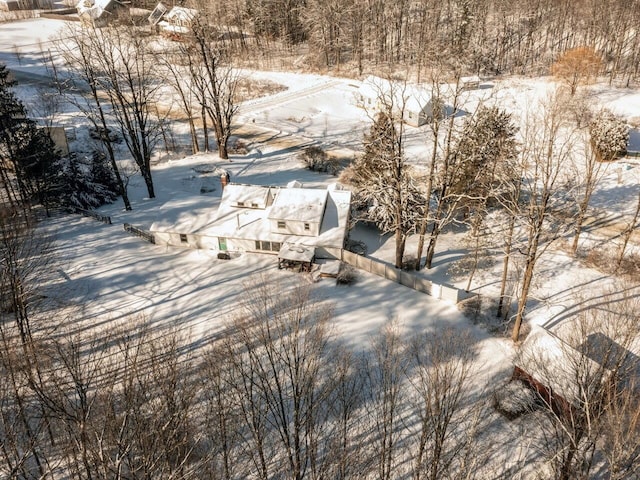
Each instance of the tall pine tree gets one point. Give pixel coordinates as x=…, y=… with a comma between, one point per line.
x=386, y=192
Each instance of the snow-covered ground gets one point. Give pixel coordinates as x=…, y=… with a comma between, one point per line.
x=105, y=277
x=323, y=110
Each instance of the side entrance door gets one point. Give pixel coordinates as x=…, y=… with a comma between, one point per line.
x=222, y=244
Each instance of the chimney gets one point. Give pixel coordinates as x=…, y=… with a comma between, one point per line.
x=224, y=179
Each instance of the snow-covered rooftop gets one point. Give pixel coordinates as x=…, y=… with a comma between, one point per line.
x=93, y=8
x=181, y=14
x=189, y=215
x=557, y=365
x=256, y=196
x=299, y=204
x=296, y=253
x=414, y=97
x=185, y=214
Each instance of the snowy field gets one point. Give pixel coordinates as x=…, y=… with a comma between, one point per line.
x=106, y=278
x=166, y=285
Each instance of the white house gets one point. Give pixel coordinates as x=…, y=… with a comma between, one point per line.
x=254, y=218
x=414, y=101
x=177, y=20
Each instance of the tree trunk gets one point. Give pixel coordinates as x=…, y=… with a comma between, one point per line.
x=505, y=265
x=205, y=128
x=425, y=220
x=195, y=148
x=526, y=284
x=431, y=247
x=146, y=175
x=116, y=171
x=578, y=228
x=401, y=240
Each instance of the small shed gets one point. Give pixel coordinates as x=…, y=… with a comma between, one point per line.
x=470, y=83
x=549, y=365
x=10, y=5
x=13, y=5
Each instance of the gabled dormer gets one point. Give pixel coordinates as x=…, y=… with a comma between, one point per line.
x=248, y=196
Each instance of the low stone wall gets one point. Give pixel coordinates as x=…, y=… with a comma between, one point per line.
x=408, y=279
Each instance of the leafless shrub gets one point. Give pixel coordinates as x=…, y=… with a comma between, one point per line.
x=347, y=275
x=409, y=263
x=514, y=399
x=239, y=147
x=317, y=160
x=249, y=89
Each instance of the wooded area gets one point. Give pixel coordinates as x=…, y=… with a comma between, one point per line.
x=491, y=37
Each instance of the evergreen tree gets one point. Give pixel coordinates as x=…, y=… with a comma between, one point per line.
x=90, y=183
x=609, y=136
x=37, y=166
x=12, y=118
x=486, y=154
x=386, y=191
x=29, y=163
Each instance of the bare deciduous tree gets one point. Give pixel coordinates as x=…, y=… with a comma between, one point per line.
x=214, y=80
x=441, y=368
x=547, y=145
x=385, y=372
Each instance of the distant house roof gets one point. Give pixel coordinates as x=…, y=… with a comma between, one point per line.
x=178, y=20
x=299, y=204
x=414, y=97
x=94, y=9
x=181, y=14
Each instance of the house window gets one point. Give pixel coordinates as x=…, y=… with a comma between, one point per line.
x=241, y=204
x=282, y=224
x=268, y=246
x=254, y=205
x=183, y=238
x=307, y=226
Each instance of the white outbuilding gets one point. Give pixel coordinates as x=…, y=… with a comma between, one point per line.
x=414, y=102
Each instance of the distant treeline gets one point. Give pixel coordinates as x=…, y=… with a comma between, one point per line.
x=474, y=36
